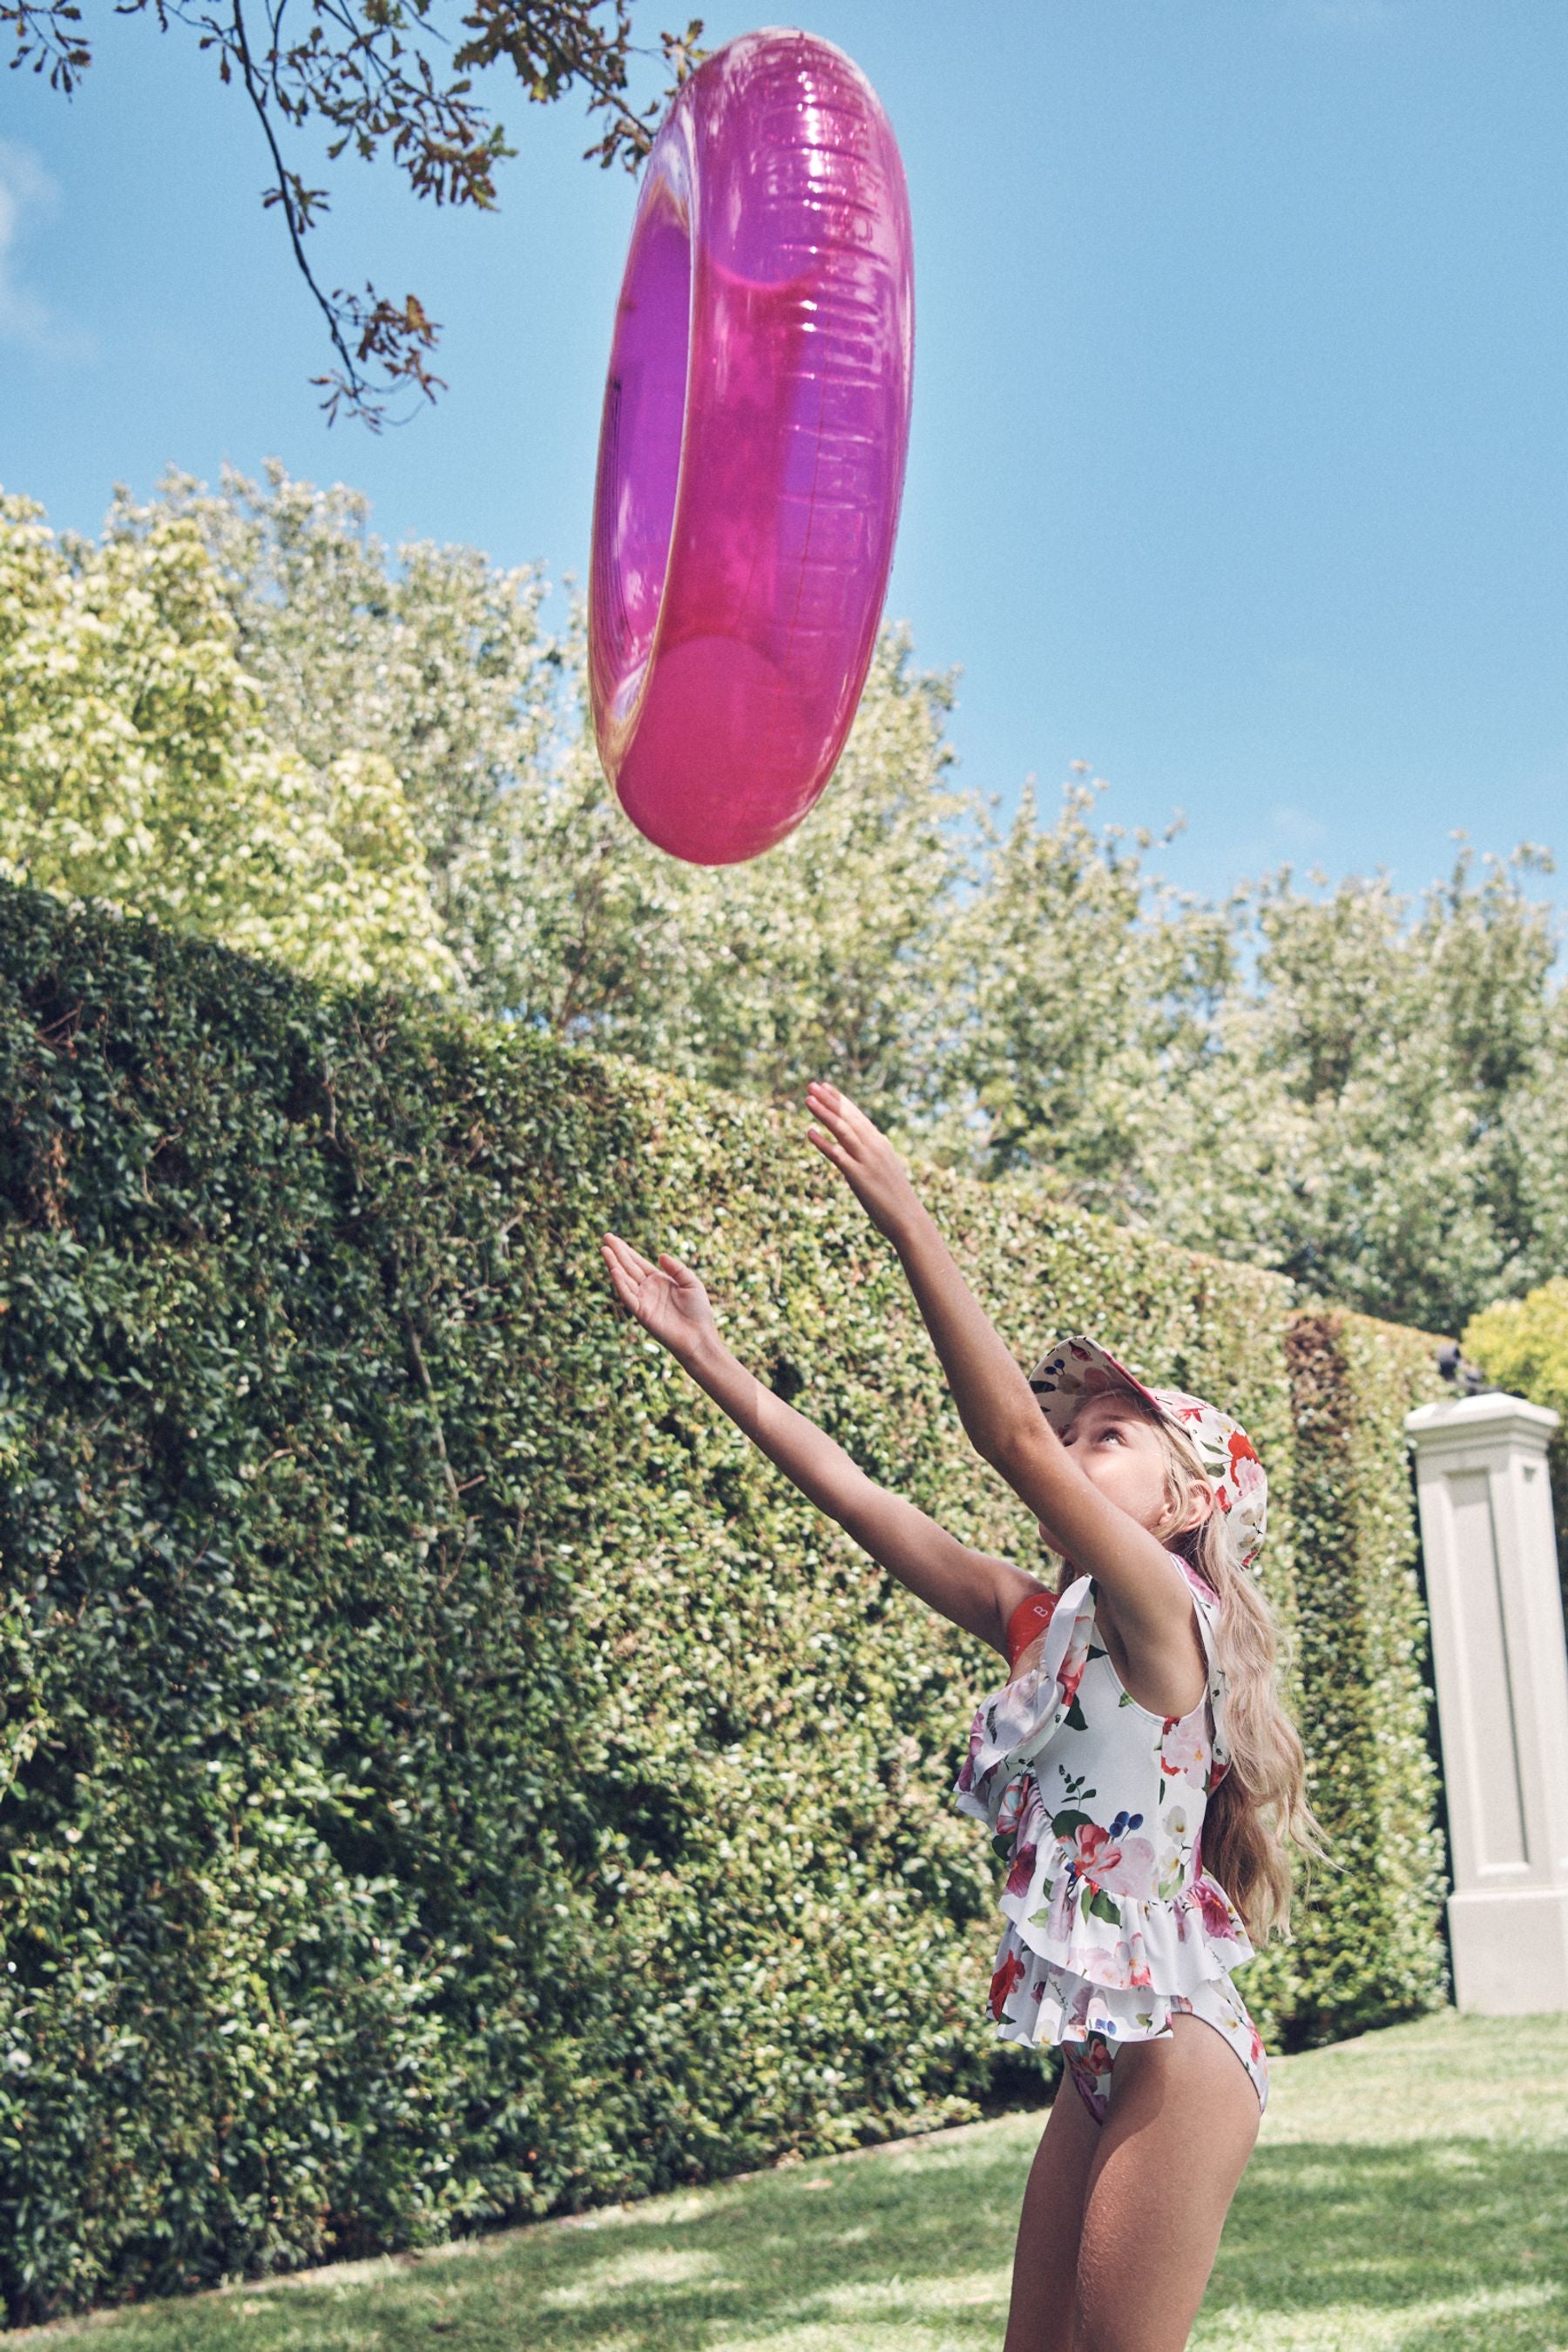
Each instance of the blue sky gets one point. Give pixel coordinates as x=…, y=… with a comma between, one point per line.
x=1241, y=404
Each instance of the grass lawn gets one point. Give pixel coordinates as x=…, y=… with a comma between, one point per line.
x=1410, y=2189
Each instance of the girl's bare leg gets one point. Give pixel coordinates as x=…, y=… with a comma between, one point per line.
x=1184, y=2117
x=1045, y=2267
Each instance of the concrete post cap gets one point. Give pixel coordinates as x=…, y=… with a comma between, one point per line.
x=1492, y=1415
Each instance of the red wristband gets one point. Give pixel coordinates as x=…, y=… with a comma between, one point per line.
x=1030, y=1618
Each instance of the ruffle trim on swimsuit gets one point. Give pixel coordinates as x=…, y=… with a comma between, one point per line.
x=1068, y=1917
x=1074, y=1936
x=1081, y=1955
x=1034, y=2001
x=1012, y=1725
x=1038, y=2004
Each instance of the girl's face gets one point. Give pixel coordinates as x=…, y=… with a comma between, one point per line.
x=1120, y=1450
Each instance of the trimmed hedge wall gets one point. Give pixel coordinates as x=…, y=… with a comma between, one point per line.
x=1367, y=1949
x=447, y=1774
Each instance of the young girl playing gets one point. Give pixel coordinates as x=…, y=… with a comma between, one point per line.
x=1140, y=1718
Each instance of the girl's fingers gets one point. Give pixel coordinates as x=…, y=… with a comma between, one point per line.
x=628, y=1270
x=832, y=1099
x=860, y=1138
x=831, y=1120
x=848, y=1123
x=623, y=1279
x=623, y=1290
x=619, y=1272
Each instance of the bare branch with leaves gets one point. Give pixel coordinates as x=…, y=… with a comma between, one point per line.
x=396, y=75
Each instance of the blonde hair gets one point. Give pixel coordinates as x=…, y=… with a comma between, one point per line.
x=1258, y=1810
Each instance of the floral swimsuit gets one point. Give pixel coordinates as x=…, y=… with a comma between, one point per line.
x=1113, y=1926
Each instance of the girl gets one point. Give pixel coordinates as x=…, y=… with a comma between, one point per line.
x=1140, y=1716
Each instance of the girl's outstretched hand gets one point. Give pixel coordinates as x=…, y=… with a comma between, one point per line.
x=667, y=1299
x=863, y=1157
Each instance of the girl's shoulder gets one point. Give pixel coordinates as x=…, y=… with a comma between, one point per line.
x=1208, y=1601
x=1203, y=1592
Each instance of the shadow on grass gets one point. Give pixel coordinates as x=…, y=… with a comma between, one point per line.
x=1428, y=2246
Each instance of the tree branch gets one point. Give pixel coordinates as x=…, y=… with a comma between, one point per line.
x=361, y=69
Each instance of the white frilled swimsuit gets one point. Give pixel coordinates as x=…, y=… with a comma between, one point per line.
x=1113, y=1926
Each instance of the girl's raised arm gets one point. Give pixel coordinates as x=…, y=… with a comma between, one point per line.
x=972, y=1588
x=994, y=1401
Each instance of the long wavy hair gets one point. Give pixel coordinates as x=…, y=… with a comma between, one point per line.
x=1257, y=1811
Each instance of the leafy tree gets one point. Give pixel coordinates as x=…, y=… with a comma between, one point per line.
x=398, y=74
x=555, y=911
x=1084, y=991
x=1368, y=1092
x=1386, y=1096
x=435, y=663
x=136, y=767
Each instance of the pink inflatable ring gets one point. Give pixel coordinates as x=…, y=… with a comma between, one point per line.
x=752, y=452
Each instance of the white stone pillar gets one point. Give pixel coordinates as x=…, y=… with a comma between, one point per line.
x=1501, y=1673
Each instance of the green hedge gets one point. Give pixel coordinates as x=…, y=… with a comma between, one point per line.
x=449, y=1775
x=1367, y=1949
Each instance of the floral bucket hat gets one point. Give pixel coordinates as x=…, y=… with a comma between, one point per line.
x=1079, y=1366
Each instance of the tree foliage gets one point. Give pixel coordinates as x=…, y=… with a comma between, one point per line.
x=1366, y=1092
x=1383, y=1110
x=1083, y=992
x=396, y=75
x=557, y=912
x=136, y=769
